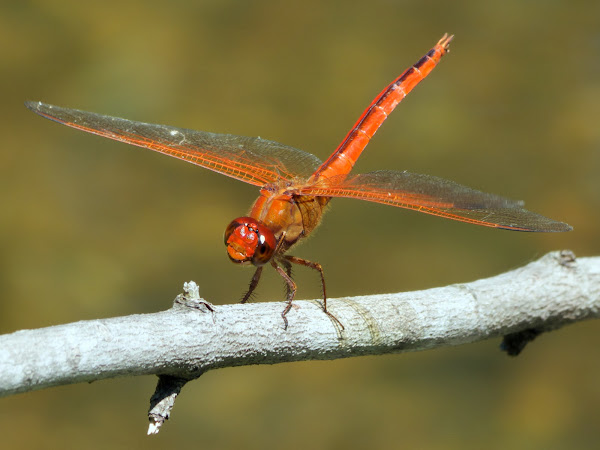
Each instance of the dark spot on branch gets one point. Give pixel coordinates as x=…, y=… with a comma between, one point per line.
x=514, y=343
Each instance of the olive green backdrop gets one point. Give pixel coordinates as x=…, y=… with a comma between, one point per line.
x=90, y=228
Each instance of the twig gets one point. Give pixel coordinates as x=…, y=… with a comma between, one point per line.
x=194, y=336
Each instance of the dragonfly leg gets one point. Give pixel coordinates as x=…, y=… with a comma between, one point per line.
x=316, y=266
x=288, y=269
x=291, y=288
x=253, y=284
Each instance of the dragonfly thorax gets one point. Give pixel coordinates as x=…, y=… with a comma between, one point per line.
x=249, y=241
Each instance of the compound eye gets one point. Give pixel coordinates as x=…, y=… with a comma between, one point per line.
x=230, y=230
x=265, y=246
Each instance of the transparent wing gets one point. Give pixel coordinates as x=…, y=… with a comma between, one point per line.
x=253, y=160
x=436, y=196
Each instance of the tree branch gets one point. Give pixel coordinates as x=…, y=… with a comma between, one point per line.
x=193, y=336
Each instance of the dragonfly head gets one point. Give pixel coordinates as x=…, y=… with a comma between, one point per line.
x=249, y=241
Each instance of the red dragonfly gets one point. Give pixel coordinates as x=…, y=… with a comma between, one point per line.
x=296, y=187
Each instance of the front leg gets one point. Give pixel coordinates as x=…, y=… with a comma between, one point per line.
x=253, y=284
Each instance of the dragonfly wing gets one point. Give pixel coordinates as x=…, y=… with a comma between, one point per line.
x=433, y=195
x=251, y=159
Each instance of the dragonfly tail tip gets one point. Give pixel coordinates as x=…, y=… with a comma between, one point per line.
x=444, y=42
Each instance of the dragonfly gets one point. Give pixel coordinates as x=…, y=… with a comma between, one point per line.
x=296, y=187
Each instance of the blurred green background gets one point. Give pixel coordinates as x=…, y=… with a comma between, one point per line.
x=91, y=228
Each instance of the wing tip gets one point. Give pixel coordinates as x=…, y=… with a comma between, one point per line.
x=32, y=105
x=549, y=226
x=562, y=227
x=556, y=227
x=38, y=107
